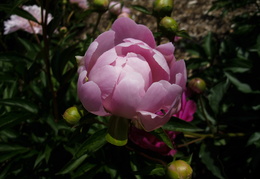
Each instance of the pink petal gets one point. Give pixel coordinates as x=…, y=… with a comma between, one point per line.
x=106, y=78
x=126, y=28
x=138, y=64
x=167, y=50
x=103, y=43
x=159, y=67
x=178, y=73
x=159, y=96
x=127, y=96
x=90, y=96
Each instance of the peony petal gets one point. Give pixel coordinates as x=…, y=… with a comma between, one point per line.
x=90, y=96
x=138, y=64
x=126, y=28
x=105, y=83
x=159, y=96
x=103, y=43
x=127, y=95
x=151, y=121
x=159, y=67
x=178, y=73
x=167, y=50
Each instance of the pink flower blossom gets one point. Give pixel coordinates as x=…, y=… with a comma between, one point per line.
x=19, y=23
x=83, y=4
x=125, y=74
x=148, y=141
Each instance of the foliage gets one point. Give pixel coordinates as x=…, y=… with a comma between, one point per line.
x=38, y=83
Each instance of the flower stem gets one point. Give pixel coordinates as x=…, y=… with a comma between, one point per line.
x=117, y=131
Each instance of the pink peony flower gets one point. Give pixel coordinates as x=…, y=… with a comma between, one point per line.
x=125, y=74
x=20, y=23
x=148, y=141
x=83, y=4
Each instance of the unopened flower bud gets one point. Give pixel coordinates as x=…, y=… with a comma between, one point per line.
x=72, y=115
x=197, y=85
x=162, y=7
x=101, y=4
x=169, y=25
x=63, y=30
x=179, y=169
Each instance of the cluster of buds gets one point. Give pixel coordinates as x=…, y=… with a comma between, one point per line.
x=162, y=9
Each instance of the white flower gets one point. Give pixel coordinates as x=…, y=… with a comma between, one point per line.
x=19, y=23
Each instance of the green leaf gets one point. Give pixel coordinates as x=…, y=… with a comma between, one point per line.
x=21, y=103
x=39, y=158
x=254, y=139
x=161, y=134
x=83, y=169
x=18, y=11
x=209, y=161
x=243, y=87
x=11, y=147
x=9, y=155
x=93, y=143
x=141, y=9
x=182, y=33
x=11, y=119
x=178, y=125
x=73, y=164
x=12, y=57
x=216, y=95
x=209, y=46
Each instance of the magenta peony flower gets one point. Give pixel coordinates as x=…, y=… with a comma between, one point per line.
x=83, y=4
x=20, y=23
x=148, y=141
x=125, y=74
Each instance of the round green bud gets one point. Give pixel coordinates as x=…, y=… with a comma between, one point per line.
x=63, y=30
x=197, y=85
x=100, y=4
x=72, y=115
x=169, y=25
x=162, y=7
x=179, y=169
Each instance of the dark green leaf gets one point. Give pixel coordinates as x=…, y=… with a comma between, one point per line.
x=12, y=57
x=93, y=143
x=21, y=103
x=209, y=46
x=9, y=155
x=182, y=33
x=254, y=139
x=178, y=125
x=11, y=147
x=161, y=134
x=83, y=169
x=141, y=9
x=216, y=95
x=11, y=119
x=243, y=87
x=209, y=161
x=73, y=164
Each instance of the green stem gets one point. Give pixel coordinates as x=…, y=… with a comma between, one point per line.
x=117, y=131
x=46, y=54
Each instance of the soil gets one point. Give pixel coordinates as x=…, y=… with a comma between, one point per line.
x=192, y=15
